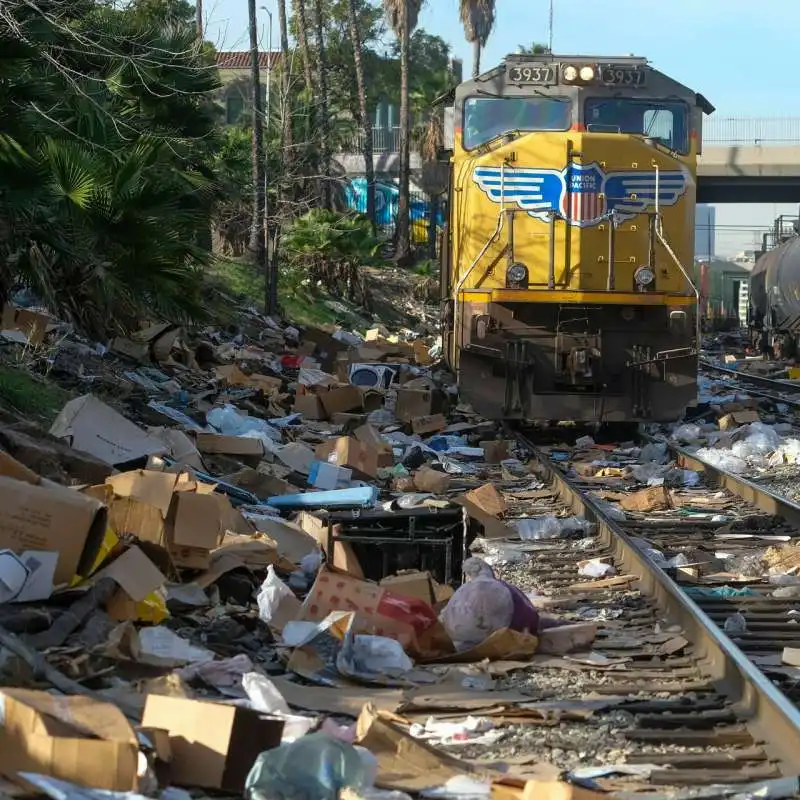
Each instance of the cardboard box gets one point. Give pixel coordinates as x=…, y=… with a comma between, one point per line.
x=348, y=452
x=341, y=398
x=488, y=499
x=737, y=418
x=88, y=424
x=310, y=406
x=72, y=738
x=42, y=517
x=495, y=451
x=187, y=518
x=35, y=326
x=154, y=342
x=243, y=447
x=233, y=376
x=656, y=498
x=412, y=584
x=213, y=746
x=344, y=557
x=413, y=403
x=429, y=424
x=379, y=611
x=367, y=435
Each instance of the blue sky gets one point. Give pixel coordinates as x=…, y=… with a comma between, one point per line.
x=738, y=53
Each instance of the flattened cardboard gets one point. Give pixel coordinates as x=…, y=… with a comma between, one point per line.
x=233, y=376
x=656, y=498
x=88, y=424
x=134, y=573
x=213, y=745
x=73, y=738
x=428, y=424
x=495, y=450
x=493, y=528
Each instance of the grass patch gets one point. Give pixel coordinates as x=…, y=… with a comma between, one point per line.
x=299, y=304
x=29, y=395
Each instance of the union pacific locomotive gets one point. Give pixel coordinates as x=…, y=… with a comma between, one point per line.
x=567, y=277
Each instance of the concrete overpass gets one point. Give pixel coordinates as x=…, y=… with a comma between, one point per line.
x=744, y=160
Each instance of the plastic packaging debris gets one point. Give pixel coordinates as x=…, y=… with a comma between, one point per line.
x=461, y=787
x=223, y=675
x=644, y=473
x=265, y=697
x=272, y=592
x=371, y=658
x=654, y=452
x=314, y=766
x=159, y=646
x=228, y=421
x=595, y=568
x=735, y=625
x=722, y=459
x=718, y=591
x=584, y=441
x=687, y=433
x=549, y=527
x=609, y=510
x=311, y=562
x=783, y=579
x=466, y=732
x=357, y=497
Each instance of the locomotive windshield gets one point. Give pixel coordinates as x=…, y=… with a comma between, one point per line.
x=486, y=118
x=667, y=121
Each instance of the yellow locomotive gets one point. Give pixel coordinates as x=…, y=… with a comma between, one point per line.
x=567, y=257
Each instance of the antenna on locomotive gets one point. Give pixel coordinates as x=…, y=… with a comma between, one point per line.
x=550, y=30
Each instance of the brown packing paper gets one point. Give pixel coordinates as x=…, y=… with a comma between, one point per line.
x=656, y=498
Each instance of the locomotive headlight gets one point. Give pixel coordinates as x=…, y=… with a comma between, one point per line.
x=587, y=74
x=644, y=276
x=570, y=73
x=517, y=276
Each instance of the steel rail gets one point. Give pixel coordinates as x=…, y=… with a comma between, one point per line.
x=757, y=380
x=770, y=716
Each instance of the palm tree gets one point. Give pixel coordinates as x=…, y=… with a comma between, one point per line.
x=257, y=243
x=477, y=16
x=403, y=16
x=198, y=16
x=324, y=104
x=301, y=20
x=366, y=122
x=534, y=49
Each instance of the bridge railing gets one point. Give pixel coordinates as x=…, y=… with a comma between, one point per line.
x=751, y=131
x=730, y=131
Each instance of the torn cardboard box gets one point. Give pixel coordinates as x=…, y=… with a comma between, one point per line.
x=350, y=453
x=73, y=738
x=33, y=325
x=214, y=746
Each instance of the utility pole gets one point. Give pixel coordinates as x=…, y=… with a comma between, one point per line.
x=256, y=228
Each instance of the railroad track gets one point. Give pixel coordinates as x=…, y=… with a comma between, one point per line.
x=696, y=705
x=778, y=391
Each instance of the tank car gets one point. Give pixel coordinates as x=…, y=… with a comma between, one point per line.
x=775, y=300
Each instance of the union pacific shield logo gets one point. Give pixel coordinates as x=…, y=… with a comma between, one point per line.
x=582, y=194
x=583, y=202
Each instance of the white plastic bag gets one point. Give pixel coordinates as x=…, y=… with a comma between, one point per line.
x=537, y=527
x=270, y=595
x=687, y=433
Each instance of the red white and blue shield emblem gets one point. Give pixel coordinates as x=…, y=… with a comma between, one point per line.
x=582, y=200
